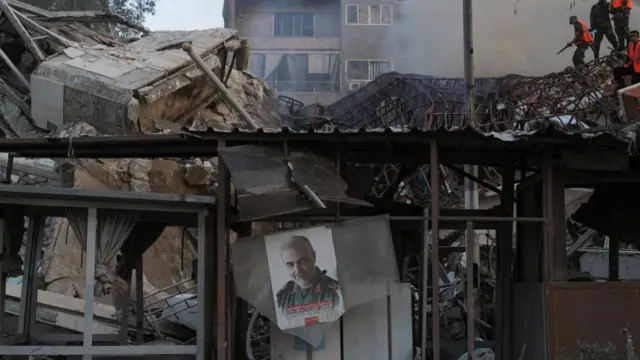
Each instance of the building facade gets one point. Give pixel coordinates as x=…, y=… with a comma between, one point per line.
x=316, y=51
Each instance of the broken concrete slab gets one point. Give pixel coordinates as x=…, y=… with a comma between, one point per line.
x=123, y=89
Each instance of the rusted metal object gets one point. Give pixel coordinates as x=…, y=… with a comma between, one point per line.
x=576, y=313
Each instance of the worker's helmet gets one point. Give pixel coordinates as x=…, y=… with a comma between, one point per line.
x=573, y=19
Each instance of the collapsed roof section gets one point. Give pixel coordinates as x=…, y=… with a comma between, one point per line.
x=116, y=88
x=571, y=101
x=64, y=67
x=567, y=99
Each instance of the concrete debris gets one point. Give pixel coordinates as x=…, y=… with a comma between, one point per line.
x=65, y=75
x=252, y=94
x=48, y=82
x=166, y=262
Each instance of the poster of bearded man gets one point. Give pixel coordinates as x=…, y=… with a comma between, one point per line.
x=304, y=277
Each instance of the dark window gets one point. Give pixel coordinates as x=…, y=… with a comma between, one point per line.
x=352, y=14
x=357, y=70
x=367, y=69
x=292, y=24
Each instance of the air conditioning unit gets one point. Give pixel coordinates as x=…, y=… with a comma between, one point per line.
x=355, y=86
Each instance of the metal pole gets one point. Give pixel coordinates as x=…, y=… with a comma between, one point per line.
x=90, y=278
x=471, y=187
x=224, y=92
x=425, y=284
x=435, y=262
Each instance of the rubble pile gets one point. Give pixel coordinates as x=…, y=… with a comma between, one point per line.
x=67, y=74
x=512, y=102
x=575, y=101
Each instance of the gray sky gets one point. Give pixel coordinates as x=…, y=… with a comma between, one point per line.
x=186, y=15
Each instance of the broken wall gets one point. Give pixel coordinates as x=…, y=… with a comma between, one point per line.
x=123, y=89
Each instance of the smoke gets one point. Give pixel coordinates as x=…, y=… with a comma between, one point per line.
x=525, y=42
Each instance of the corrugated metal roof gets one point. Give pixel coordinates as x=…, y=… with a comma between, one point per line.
x=205, y=143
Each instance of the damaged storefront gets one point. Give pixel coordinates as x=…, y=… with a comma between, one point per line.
x=325, y=228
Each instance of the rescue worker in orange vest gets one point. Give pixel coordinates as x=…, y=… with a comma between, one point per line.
x=632, y=66
x=582, y=40
x=621, y=10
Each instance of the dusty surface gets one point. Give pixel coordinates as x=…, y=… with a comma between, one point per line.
x=168, y=261
x=250, y=92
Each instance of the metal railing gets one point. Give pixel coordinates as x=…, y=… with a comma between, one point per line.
x=152, y=311
x=305, y=86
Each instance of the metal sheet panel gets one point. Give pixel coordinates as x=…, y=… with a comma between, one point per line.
x=591, y=313
x=263, y=180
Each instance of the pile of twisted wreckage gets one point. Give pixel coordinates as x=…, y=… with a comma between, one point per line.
x=66, y=74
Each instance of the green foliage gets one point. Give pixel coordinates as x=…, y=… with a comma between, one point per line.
x=135, y=11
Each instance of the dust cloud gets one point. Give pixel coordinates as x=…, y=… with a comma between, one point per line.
x=505, y=42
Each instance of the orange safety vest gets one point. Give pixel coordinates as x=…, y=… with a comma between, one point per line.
x=586, y=35
x=617, y=4
x=633, y=50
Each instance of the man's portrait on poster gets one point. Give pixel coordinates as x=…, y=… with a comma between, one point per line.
x=308, y=294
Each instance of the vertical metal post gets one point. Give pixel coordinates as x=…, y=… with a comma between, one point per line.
x=35, y=234
x=205, y=287
x=547, y=249
x=241, y=318
x=221, y=243
x=471, y=187
x=126, y=305
x=4, y=237
x=614, y=256
x=435, y=232
x=467, y=28
x=90, y=278
x=470, y=290
x=504, y=273
x=139, y=300
x=424, y=330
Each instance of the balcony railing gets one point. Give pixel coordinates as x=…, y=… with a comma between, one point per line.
x=305, y=86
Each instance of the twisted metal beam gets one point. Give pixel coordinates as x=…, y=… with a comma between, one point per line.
x=570, y=100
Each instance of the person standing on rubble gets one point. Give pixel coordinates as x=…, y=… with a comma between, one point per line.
x=632, y=66
x=621, y=10
x=582, y=40
x=601, y=22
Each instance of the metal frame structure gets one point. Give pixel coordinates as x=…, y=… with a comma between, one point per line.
x=36, y=203
x=553, y=157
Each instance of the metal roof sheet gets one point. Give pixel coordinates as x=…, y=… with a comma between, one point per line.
x=205, y=143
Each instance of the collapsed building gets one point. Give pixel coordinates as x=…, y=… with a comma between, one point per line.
x=65, y=76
